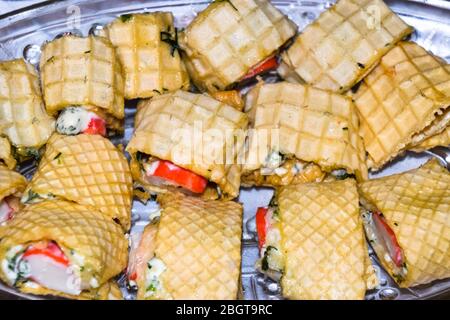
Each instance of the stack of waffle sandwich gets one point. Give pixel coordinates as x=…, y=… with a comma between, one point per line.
x=354, y=94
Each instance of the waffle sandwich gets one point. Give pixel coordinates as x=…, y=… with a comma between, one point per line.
x=402, y=102
x=298, y=134
x=312, y=235
x=190, y=141
x=85, y=169
x=23, y=119
x=148, y=50
x=233, y=39
x=86, y=74
x=193, y=252
x=62, y=248
x=407, y=222
x=338, y=49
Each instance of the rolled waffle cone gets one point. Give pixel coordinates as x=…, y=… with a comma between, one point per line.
x=200, y=244
x=22, y=113
x=338, y=49
x=311, y=124
x=403, y=101
x=82, y=71
x=193, y=131
x=440, y=139
x=11, y=183
x=89, y=170
x=323, y=241
x=150, y=63
x=6, y=153
x=228, y=38
x=73, y=227
x=416, y=205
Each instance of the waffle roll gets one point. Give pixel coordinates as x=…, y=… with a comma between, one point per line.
x=23, y=119
x=194, y=132
x=416, y=206
x=230, y=37
x=402, y=102
x=94, y=245
x=338, y=49
x=440, y=139
x=6, y=153
x=323, y=241
x=84, y=72
x=198, y=249
x=86, y=169
x=316, y=129
x=145, y=46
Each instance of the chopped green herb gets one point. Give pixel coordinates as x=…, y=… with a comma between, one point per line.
x=151, y=287
x=355, y=88
x=157, y=91
x=171, y=39
x=264, y=261
x=51, y=59
x=31, y=196
x=81, y=268
x=396, y=224
x=362, y=66
x=57, y=157
x=345, y=128
x=126, y=17
x=89, y=51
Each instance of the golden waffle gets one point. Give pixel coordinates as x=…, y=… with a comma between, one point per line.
x=150, y=63
x=22, y=113
x=345, y=43
x=193, y=131
x=402, y=102
x=323, y=241
x=82, y=71
x=200, y=244
x=440, y=139
x=228, y=38
x=89, y=170
x=11, y=183
x=314, y=125
x=6, y=153
x=93, y=235
x=416, y=205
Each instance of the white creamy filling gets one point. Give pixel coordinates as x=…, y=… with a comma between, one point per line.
x=273, y=161
x=74, y=120
x=154, y=215
x=155, y=267
x=32, y=197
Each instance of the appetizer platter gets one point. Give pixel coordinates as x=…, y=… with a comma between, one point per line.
x=321, y=171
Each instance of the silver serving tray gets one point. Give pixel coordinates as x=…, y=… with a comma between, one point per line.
x=23, y=31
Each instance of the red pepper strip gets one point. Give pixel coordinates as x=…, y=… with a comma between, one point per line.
x=180, y=176
x=266, y=65
x=389, y=237
x=96, y=126
x=52, y=251
x=261, y=225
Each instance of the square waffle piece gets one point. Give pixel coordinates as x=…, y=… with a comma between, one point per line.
x=23, y=118
x=403, y=101
x=416, y=207
x=303, y=123
x=86, y=169
x=147, y=48
x=84, y=72
x=345, y=43
x=196, y=248
x=230, y=37
x=193, y=131
x=323, y=241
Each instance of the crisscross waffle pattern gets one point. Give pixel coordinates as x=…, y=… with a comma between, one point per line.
x=22, y=113
x=149, y=65
x=195, y=132
x=416, y=205
x=440, y=139
x=91, y=234
x=229, y=37
x=400, y=98
x=11, y=182
x=345, y=43
x=323, y=241
x=6, y=153
x=200, y=244
x=82, y=71
x=314, y=125
x=89, y=170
